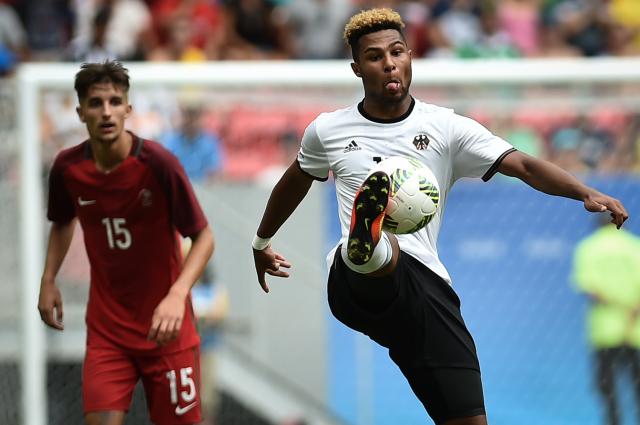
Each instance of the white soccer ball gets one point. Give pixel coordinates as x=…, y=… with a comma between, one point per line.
x=414, y=195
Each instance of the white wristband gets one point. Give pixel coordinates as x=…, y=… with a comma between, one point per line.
x=260, y=244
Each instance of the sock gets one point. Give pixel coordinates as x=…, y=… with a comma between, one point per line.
x=381, y=257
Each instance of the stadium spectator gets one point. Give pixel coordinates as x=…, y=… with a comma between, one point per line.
x=552, y=43
x=607, y=269
x=493, y=41
x=179, y=45
x=457, y=28
x=625, y=35
x=49, y=26
x=632, y=145
x=94, y=48
x=132, y=198
x=519, y=19
x=565, y=146
x=13, y=39
x=316, y=25
x=394, y=288
x=128, y=33
x=256, y=29
x=417, y=16
x=206, y=27
x=196, y=148
x=521, y=135
x=597, y=145
x=211, y=304
x=584, y=23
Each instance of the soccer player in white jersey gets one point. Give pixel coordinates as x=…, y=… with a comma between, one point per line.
x=394, y=288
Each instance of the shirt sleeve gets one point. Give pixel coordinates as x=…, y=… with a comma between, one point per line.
x=476, y=151
x=312, y=156
x=60, y=208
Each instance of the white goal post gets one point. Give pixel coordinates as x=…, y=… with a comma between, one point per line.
x=32, y=78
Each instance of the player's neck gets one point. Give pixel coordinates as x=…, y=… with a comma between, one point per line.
x=108, y=156
x=386, y=110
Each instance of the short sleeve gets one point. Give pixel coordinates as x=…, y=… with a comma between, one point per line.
x=476, y=151
x=60, y=208
x=312, y=156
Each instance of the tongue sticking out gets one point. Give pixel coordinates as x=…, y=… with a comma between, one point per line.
x=393, y=86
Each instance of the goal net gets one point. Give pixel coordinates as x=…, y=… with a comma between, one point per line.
x=282, y=356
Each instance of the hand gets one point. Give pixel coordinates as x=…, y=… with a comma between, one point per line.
x=50, y=305
x=167, y=319
x=599, y=202
x=269, y=261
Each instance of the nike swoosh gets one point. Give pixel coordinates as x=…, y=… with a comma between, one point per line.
x=182, y=410
x=84, y=203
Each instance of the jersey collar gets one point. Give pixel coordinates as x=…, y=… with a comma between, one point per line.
x=136, y=146
x=386, y=120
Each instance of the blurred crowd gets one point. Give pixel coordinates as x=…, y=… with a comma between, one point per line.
x=579, y=139
x=198, y=30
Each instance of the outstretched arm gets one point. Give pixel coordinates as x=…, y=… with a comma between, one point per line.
x=285, y=198
x=549, y=178
x=50, y=299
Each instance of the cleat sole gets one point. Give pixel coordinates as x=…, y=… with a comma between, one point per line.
x=367, y=217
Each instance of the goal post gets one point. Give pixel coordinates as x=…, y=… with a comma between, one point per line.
x=250, y=77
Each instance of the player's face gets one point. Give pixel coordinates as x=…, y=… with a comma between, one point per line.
x=104, y=111
x=384, y=64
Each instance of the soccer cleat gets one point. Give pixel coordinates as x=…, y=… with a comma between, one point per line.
x=367, y=216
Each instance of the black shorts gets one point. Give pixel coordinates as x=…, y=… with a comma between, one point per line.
x=423, y=329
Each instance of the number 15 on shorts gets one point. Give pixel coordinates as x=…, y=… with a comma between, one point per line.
x=183, y=388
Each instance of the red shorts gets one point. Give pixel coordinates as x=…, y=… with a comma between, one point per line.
x=171, y=383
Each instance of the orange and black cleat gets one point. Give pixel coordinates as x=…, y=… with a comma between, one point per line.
x=367, y=217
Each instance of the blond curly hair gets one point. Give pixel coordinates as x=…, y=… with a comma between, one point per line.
x=368, y=21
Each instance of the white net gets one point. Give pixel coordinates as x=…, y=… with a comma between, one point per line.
x=507, y=247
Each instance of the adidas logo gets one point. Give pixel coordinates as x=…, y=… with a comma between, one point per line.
x=352, y=146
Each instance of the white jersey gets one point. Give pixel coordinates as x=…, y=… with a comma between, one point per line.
x=349, y=143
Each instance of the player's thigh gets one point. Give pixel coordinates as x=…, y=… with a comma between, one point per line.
x=475, y=420
x=172, y=387
x=451, y=395
x=109, y=377
x=104, y=418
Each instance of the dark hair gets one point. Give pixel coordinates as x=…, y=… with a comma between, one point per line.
x=93, y=73
x=369, y=21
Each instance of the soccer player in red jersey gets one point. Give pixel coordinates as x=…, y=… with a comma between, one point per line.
x=133, y=200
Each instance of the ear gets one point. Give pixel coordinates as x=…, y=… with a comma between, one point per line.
x=80, y=114
x=129, y=109
x=356, y=69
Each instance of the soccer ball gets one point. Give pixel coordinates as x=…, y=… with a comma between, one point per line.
x=414, y=195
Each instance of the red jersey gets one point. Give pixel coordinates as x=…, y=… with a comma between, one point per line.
x=129, y=217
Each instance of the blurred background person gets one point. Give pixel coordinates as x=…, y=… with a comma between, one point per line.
x=607, y=269
x=256, y=29
x=625, y=34
x=211, y=306
x=179, y=44
x=197, y=149
x=93, y=47
x=316, y=26
x=49, y=26
x=204, y=33
x=13, y=39
x=585, y=24
x=128, y=33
